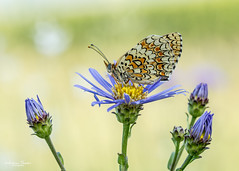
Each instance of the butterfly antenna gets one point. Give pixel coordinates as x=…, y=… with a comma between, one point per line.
x=95, y=48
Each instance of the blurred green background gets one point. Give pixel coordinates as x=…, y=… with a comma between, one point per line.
x=43, y=44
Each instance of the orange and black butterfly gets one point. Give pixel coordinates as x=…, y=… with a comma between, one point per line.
x=153, y=58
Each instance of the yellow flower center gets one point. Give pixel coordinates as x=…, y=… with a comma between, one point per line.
x=204, y=134
x=135, y=92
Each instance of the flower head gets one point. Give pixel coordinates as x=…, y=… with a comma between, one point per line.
x=38, y=119
x=117, y=93
x=200, y=135
x=198, y=100
x=202, y=129
x=178, y=134
x=200, y=94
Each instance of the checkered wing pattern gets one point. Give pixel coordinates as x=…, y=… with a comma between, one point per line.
x=153, y=58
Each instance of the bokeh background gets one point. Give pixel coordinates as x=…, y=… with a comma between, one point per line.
x=43, y=43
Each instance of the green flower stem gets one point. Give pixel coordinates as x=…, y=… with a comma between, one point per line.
x=192, y=122
x=49, y=142
x=183, y=146
x=175, y=156
x=123, y=160
x=185, y=163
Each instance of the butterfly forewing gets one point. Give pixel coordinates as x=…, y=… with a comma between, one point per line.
x=175, y=41
x=151, y=59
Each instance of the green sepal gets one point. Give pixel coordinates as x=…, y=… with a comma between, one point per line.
x=126, y=113
x=42, y=129
x=195, y=148
x=170, y=160
x=60, y=157
x=178, y=134
x=196, y=109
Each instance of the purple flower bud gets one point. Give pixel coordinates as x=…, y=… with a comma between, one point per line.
x=198, y=100
x=202, y=129
x=35, y=111
x=200, y=135
x=200, y=94
x=38, y=119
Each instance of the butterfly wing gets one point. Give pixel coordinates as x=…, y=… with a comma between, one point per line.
x=175, y=41
x=151, y=59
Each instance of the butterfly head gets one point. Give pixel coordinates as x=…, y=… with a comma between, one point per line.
x=109, y=67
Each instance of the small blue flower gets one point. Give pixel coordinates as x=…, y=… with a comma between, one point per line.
x=200, y=135
x=200, y=94
x=202, y=129
x=38, y=119
x=198, y=100
x=118, y=93
x=35, y=111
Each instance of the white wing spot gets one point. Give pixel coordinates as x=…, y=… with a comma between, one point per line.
x=132, y=52
x=137, y=62
x=142, y=51
x=149, y=52
x=137, y=71
x=149, y=40
x=152, y=56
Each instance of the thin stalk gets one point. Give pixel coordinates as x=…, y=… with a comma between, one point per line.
x=186, y=162
x=192, y=122
x=51, y=146
x=175, y=156
x=183, y=146
x=124, y=164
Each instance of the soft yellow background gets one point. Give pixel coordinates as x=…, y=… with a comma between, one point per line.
x=43, y=44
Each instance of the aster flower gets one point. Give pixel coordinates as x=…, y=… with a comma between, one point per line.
x=200, y=135
x=41, y=123
x=202, y=129
x=200, y=93
x=128, y=100
x=198, y=138
x=178, y=134
x=118, y=93
x=198, y=100
x=38, y=119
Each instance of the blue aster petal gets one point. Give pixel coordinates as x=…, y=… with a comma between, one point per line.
x=97, y=88
x=162, y=94
x=99, y=92
x=112, y=80
x=127, y=98
x=152, y=87
x=203, y=126
x=96, y=98
x=107, y=102
x=103, y=92
x=114, y=106
x=34, y=110
x=101, y=80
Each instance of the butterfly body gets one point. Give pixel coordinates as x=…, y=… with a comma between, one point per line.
x=153, y=58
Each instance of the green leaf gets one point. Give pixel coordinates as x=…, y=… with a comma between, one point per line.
x=60, y=157
x=170, y=161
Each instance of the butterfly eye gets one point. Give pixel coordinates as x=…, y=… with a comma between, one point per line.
x=109, y=68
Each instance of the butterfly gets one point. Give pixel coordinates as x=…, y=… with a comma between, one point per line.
x=153, y=58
